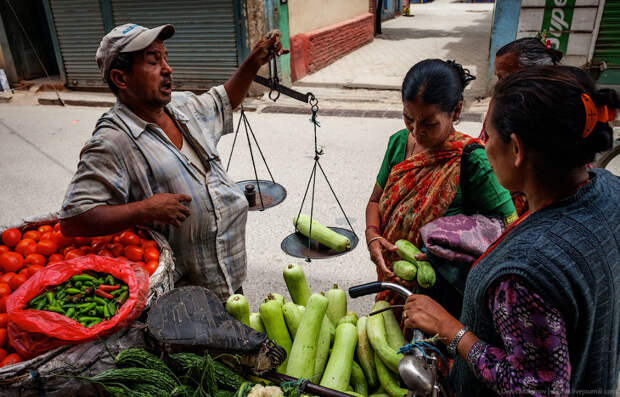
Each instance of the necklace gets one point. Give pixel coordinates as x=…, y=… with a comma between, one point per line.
x=410, y=152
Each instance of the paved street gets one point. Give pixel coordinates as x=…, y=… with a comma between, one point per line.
x=442, y=29
x=42, y=143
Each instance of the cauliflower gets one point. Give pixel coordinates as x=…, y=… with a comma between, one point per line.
x=261, y=391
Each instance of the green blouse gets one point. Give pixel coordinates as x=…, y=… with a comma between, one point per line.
x=489, y=197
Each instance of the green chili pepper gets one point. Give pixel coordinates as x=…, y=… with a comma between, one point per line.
x=111, y=309
x=106, y=312
x=89, y=299
x=82, y=277
x=116, y=292
x=61, y=295
x=87, y=318
x=122, y=297
x=35, y=301
x=86, y=308
x=109, y=279
x=99, y=300
x=92, y=312
x=50, y=298
x=94, y=323
x=41, y=305
x=73, y=291
x=70, y=312
x=99, y=310
x=56, y=309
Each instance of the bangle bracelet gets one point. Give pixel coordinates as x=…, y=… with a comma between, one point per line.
x=373, y=227
x=454, y=343
x=373, y=239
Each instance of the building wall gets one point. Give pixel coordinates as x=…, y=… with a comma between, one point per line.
x=571, y=24
x=324, y=30
x=305, y=15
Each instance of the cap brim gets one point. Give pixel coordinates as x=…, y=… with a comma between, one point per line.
x=144, y=39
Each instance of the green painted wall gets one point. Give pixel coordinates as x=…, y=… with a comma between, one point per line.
x=285, y=60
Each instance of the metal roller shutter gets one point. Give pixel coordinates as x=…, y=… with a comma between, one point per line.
x=79, y=27
x=607, y=47
x=203, y=51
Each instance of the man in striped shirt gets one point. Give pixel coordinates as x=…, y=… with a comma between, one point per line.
x=153, y=160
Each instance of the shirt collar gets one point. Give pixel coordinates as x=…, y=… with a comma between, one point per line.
x=136, y=125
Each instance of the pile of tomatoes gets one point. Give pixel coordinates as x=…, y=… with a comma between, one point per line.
x=21, y=256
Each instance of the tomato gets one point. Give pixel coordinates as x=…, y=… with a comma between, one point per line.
x=151, y=254
x=35, y=259
x=117, y=249
x=55, y=258
x=33, y=235
x=10, y=237
x=61, y=239
x=5, y=290
x=116, y=239
x=23, y=244
x=151, y=267
x=47, y=236
x=11, y=261
x=33, y=269
x=129, y=238
x=3, y=304
x=3, y=337
x=11, y=359
x=57, y=227
x=149, y=243
x=76, y=253
x=18, y=280
x=3, y=354
x=66, y=250
x=4, y=319
x=105, y=252
x=6, y=277
x=46, y=247
x=45, y=229
x=30, y=249
x=83, y=240
x=87, y=249
x=3, y=249
x=134, y=253
x=98, y=245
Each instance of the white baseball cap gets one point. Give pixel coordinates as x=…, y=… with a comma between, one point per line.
x=128, y=38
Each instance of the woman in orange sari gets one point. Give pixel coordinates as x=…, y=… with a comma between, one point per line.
x=420, y=177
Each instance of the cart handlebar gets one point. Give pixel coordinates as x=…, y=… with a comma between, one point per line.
x=377, y=286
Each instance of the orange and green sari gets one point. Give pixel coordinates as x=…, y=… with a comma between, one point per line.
x=419, y=190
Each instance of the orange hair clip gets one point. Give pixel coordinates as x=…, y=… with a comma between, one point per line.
x=595, y=114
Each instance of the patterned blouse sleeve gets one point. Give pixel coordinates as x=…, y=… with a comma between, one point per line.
x=534, y=356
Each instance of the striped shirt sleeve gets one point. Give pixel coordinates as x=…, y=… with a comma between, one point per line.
x=101, y=178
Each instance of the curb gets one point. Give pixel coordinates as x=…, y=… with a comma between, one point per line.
x=385, y=114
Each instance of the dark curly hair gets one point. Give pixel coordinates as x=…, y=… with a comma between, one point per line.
x=531, y=52
x=542, y=105
x=436, y=82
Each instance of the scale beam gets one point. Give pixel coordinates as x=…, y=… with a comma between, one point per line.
x=305, y=98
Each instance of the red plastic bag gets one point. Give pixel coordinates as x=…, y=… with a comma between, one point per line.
x=32, y=332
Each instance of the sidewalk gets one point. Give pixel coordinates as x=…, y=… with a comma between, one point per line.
x=442, y=29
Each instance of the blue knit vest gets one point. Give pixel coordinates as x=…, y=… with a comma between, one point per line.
x=569, y=254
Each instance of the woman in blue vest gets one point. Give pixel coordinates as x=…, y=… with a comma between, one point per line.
x=541, y=311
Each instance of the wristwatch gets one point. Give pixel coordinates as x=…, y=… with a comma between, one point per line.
x=454, y=343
